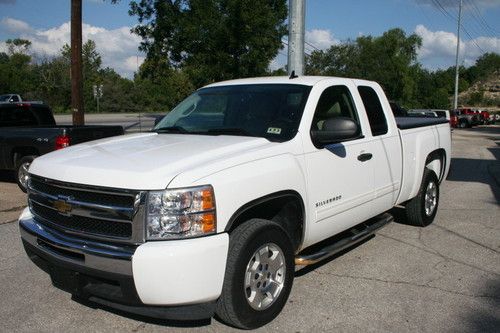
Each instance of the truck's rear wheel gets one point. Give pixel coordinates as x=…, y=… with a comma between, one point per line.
x=421, y=210
x=22, y=167
x=259, y=274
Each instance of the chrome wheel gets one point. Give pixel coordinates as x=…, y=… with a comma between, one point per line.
x=265, y=276
x=430, y=199
x=22, y=174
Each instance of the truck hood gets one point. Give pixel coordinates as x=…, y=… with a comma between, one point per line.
x=144, y=161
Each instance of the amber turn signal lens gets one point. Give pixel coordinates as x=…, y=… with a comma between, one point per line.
x=208, y=222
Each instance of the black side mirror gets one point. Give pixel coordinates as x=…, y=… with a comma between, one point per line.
x=335, y=130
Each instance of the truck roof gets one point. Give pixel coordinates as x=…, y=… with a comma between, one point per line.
x=303, y=80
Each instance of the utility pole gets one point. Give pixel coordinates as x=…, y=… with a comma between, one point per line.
x=296, y=31
x=76, y=63
x=455, y=101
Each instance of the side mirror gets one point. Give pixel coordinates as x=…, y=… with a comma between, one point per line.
x=335, y=130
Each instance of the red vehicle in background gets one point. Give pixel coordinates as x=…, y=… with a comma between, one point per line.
x=466, y=118
x=453, y=119
x=486, y=117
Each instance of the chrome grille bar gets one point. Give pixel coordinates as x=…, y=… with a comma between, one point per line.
x=96, y=214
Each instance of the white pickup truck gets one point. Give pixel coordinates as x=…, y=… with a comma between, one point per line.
x=212, y=211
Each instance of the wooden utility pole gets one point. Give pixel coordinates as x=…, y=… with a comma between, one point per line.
x=76, y=63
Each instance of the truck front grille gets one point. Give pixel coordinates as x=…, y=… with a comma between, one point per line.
x=90, y=212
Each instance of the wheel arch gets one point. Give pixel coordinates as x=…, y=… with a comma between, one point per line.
x=284, y=207
x=436, y=161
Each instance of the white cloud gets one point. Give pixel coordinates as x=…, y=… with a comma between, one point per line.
x=320, y=38
x=13, y=25
x=116, y=46
x=439, y=48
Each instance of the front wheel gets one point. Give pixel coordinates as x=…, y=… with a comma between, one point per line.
x=421, y=210
x=22, y=167
x=259, y=274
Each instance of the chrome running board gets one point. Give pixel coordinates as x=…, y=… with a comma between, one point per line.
x=352, y=236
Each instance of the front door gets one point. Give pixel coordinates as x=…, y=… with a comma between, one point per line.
x=340, y=175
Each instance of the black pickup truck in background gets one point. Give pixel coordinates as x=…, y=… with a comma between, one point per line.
x=28, y=130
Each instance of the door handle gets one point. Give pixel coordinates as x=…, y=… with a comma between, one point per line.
x=365, y=157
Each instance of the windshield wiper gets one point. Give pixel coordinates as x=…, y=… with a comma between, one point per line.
x=171, y=129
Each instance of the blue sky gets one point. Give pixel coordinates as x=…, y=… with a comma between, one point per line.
x=46, y=23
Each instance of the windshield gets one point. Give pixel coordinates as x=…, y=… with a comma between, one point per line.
x=4, y=98
x=271, y=111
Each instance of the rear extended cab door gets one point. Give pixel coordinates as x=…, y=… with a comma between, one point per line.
x=340, y=182
x=385, y=145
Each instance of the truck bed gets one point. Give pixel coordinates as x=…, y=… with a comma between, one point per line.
x=414, y=122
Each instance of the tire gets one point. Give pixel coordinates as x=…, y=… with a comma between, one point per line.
x=462, y=124
x=421, y=210
x=22, y=167
x=245, y=277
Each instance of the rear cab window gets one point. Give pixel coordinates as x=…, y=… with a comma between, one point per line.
x=374, y=110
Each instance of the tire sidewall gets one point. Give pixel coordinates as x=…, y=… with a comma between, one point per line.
x=430, y=176
x=246, y=314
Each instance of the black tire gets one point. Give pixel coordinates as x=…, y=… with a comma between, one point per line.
x=462, y=124
x=22, y=167
x=233, y=308
x=416, y=208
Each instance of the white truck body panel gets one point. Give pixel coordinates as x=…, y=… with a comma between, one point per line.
x=337, y=189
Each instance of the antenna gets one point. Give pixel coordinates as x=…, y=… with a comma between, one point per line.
x=293, y=76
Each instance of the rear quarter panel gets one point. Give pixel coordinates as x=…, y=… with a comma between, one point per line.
x=417, y=144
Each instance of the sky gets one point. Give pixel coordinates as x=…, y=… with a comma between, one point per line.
x=328, y=22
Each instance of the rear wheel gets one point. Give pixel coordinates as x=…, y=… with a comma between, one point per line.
x=22, y=167
x=259, y=274
x=421, y=210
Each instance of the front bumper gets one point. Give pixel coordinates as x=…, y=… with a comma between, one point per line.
x=178, y=279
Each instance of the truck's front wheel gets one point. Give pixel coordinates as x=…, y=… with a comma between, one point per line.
x=259, y=274
x=421, y=210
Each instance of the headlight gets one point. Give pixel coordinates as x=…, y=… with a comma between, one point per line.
x=181, y=213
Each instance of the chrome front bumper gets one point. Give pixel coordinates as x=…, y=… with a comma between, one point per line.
x=75, y=251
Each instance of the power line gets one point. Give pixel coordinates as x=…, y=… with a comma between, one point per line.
x=481, y=18
x=446, y=13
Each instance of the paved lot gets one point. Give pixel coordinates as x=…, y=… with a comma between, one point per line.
x=443, y=278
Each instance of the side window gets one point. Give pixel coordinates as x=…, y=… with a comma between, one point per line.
x=335, y=101
x=374, y=110
x=14, y=99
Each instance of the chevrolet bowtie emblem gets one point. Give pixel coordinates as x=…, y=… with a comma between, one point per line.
x=62, y=206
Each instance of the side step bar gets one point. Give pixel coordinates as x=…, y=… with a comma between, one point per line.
x=353, y=236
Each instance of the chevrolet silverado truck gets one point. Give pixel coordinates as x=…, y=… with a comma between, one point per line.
x=28, y=130
x=212, y=211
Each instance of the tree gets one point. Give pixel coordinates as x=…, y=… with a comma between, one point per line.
x=211, y=40
x=18, y=45
x=387, y=59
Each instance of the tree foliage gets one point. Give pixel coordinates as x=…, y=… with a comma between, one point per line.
x=211, y=40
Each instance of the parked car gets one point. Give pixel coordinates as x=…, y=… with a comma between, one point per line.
x=453, y=119
x=422, y=113
x=10, y=98
x=28, y=130
x=244, y=180
x=466, y=118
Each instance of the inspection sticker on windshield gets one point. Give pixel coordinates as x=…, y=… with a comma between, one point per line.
x=274, y=130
